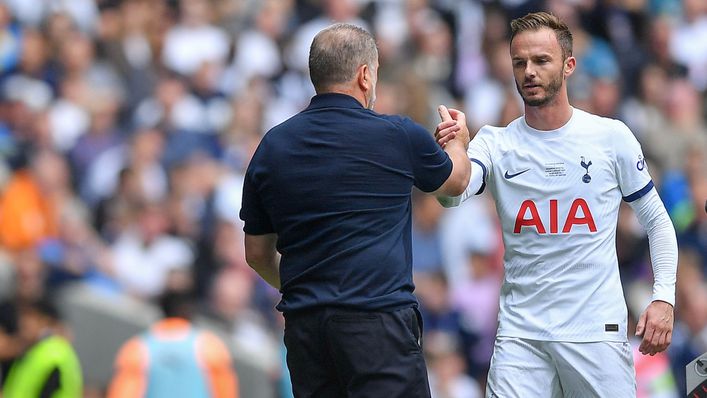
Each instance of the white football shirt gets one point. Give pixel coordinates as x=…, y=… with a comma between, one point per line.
x=557, y=194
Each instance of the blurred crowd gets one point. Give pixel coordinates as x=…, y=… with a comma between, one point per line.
x=125, y=128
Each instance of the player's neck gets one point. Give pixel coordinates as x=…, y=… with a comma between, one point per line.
x=549, y=117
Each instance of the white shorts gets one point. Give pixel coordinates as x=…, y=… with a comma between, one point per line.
x=551, y=369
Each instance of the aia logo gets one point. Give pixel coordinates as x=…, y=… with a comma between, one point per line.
x=579, y=214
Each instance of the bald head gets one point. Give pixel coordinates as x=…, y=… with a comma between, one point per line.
x=336, y=54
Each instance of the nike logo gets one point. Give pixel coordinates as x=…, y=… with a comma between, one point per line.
x=509, y=176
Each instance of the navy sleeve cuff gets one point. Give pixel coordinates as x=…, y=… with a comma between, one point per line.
x=639, y=194
x=483, y=178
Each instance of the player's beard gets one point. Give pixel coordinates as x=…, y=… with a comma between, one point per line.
x=551, y=89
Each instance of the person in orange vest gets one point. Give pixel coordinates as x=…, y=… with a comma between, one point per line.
x=174, y=359
x=30, y=202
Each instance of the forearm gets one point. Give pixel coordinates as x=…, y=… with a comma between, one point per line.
x=269, y=270
x=476, y=182
x=261, y=254
x=662, y=242
x=461, y=170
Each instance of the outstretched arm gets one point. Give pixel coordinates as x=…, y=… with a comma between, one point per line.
x=656, y=323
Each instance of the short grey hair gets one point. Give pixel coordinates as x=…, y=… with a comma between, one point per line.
x=337, y=52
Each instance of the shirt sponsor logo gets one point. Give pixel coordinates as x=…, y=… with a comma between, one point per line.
x=529, y=217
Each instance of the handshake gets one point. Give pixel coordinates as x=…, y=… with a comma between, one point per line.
x=452, y=127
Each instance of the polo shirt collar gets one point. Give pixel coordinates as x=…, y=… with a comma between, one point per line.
x=334, y=100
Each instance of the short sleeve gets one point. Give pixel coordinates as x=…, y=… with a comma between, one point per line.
x=431, y=166
x=480, y=155
x=253, y=213
x=631, y=166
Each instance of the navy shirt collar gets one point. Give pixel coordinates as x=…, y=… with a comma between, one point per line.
x=334, y=100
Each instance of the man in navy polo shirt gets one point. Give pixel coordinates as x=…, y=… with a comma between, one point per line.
x=330, y=191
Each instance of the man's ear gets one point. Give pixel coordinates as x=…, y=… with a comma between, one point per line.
x=363, y=76
x=570, y=65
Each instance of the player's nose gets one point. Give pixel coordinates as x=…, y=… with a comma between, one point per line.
x=529, y=71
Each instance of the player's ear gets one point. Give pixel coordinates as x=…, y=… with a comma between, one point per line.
x=570, y=64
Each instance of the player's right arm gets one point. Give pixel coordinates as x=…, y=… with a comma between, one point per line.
x=260, y=235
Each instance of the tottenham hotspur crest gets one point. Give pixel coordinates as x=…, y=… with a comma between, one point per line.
x=586, y=178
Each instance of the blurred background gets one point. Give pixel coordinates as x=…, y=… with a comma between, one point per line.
x=126, y=127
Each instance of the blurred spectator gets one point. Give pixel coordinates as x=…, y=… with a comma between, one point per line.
x=426, y=239
x=682, y=127
x=439, y=315
x=99, y=134
x=485, y=100
x=257, y=48
x=688, y=42
x=194, y=41
x=127, y=41
x=476, y=298
x=146, y=259
x=469, y=228
x=448, y=376
x=48, y=366
x=694, y=235
x=10, y=44
x=230, y=311
x=33, y=200
x=347, y=11
x=78, y=60
x=32, y=13
x=143, y=154
x=173, y=358
x=175, y=109
x=77, y=253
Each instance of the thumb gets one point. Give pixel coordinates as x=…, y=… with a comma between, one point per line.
x=457, y=115
x=444, y=113
x=641, y=326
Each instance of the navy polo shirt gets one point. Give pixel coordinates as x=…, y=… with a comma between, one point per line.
x=334, y=183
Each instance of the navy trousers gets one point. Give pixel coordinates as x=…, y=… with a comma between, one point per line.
x=341, y=353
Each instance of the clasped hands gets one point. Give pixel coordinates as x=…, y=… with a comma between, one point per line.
x=453, y=126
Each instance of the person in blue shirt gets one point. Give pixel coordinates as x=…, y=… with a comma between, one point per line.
x=327, y=212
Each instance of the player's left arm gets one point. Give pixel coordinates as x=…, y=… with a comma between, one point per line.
x=655, y=324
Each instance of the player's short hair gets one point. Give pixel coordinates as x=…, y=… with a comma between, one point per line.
x=337, y=52
x=539, y=20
